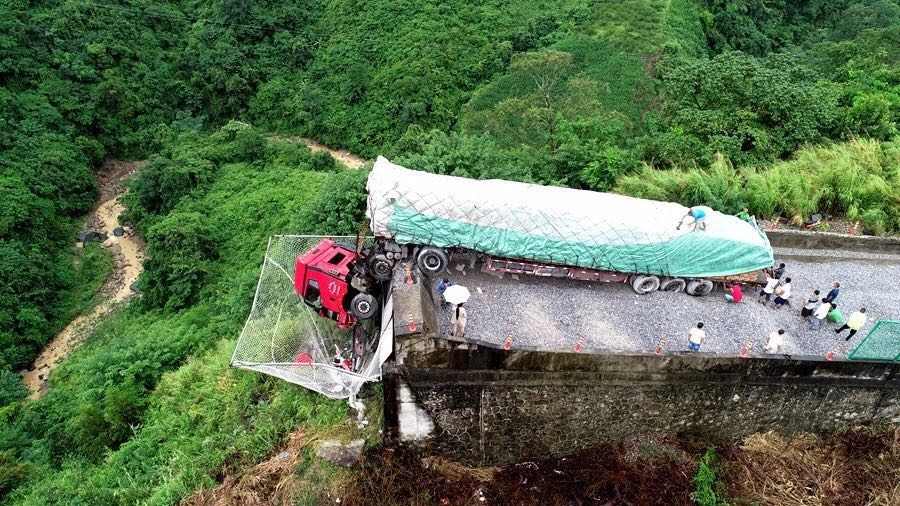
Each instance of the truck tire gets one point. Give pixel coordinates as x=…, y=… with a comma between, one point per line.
x=363, y=306
x=673, y=285
x=381, y=267
x=432, y=261
x=643, y=285
x=699, y=287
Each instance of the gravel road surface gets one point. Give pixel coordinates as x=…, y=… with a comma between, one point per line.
x=556, y=314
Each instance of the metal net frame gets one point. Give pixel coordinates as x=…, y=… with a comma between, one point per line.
x=285, y=338
x=881, y=343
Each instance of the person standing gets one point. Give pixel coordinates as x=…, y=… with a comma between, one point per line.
x=736, y=294
x=779, y=271
x=810, y=306
x=775, y=341
x=833, y=293
x=696, y=336
x=771, y=282
x=820, y=314
x=854, y=323
x=458, y=322
x=783, y=293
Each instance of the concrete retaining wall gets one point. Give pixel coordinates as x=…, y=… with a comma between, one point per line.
x=832, y=241
x=486, y=406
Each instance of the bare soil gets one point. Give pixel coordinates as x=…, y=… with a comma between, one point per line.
x=343, y=156
x=128, y=254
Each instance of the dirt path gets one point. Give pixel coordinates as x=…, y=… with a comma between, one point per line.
x=128, y=252
x=342, y=155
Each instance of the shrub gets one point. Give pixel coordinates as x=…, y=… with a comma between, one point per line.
x=180, y=251
x=11, y=388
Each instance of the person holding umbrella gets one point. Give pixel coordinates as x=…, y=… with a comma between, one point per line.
x=457, y=295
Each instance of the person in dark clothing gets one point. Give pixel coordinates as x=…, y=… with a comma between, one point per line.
x=779, y=271
x=811, y=304
x=833, y=293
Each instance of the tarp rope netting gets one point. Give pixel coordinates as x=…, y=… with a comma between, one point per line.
x=881, y=343
x=283, y=337
x=559, y=225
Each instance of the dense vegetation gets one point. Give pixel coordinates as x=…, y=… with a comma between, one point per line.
x=698, y=101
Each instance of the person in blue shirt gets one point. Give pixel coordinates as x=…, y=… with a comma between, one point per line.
x=833, y=293
x=442, y=287
x=698, y=214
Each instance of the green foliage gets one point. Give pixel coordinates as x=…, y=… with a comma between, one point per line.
x=131, y=417
x=708, y=490
x=181, y=248
x=751, y=110
x=857, y=178
x=11, y=388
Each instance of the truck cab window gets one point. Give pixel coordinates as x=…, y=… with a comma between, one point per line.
x=313, y=295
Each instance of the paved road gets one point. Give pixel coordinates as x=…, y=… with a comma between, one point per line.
x=556, y=314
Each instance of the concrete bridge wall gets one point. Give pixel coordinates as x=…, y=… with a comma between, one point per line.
x=485, y=406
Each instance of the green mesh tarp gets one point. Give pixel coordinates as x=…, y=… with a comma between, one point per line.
x=559, y=225
x=881, y=343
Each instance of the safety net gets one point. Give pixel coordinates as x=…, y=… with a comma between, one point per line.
x=560, y=225
x=285, y=338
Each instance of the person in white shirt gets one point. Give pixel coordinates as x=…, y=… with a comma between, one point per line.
x=782, y=294
x=774, y=342
x=769, y=289
x=696, y=336
x=458, y=321
x=820, y=314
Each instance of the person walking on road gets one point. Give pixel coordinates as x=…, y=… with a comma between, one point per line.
x=736, y=294
x=820, y=314
x=854, y=323
x=811, y=304
x=774, y=342
x=783, y=293
x=766, y=293
x=458, y=322
x=696, y=336
x=833, y=293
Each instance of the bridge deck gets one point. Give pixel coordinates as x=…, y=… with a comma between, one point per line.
x=557, y=314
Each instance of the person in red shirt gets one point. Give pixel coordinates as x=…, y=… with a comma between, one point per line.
x=736, y=294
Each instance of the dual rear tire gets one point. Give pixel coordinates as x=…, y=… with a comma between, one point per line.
x=643, y=285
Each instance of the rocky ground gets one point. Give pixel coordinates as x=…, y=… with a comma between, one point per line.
x=558, y=314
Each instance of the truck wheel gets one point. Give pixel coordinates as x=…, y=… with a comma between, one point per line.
x=644, y=284
x=432, y=261
x=673, y=285
x=363, y=306
x=381, y=267
x=699, y=287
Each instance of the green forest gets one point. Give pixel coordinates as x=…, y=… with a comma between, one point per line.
x=786, y=108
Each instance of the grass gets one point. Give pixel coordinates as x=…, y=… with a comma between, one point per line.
x=707, y=484
x=854, y=466
x=147, y=409
x=92, y=264
x=857, y=180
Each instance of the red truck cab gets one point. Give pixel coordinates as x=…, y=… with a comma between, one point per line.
x=322, y=278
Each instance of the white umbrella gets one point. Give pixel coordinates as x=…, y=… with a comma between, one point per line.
x=456, y=294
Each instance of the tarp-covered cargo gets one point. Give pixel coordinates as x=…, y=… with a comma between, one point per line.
x=559, y=225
